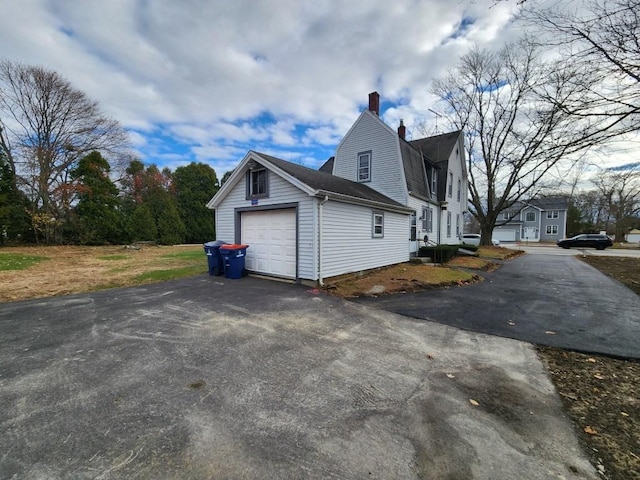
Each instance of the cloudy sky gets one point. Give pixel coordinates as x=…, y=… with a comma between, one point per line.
x=207, y=80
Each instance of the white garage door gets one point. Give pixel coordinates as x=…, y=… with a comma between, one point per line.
x=504, y=234
x=271, y=236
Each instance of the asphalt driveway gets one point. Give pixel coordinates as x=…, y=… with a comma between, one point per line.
x=254, y=379
x=544, y=299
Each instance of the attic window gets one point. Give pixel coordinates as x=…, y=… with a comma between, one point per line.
x=257, y=184
x=364, y=167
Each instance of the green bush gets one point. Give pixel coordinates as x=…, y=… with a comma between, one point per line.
x=443, y=253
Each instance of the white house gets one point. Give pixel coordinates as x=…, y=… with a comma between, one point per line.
x=367, y=207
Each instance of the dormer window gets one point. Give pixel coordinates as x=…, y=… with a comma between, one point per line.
x=364, y=167
x=434, y=182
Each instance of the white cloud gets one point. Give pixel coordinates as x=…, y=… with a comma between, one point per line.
x=207, y=80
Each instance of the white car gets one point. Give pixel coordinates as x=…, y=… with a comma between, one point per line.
x=474, y=239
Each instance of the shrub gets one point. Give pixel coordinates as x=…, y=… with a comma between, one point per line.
x=443, y=253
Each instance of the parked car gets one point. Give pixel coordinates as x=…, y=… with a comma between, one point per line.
x=587, y=240
x=474, y=239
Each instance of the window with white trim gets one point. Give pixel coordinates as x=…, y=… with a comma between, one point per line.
x=457, y=224
x=257, y=184
x=434, y=181
x=450, y=192
x=377, y=229
x=553, y=214
x=364, y=167
x=506, y=216
x=552, y=229
x=427, y=219
x=448, y=224
x=531, y=217
x=413, y=227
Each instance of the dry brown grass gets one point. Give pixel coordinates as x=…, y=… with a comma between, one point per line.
x=498, y=253
x=73, y=269
x=404, y=277
x=474, y=263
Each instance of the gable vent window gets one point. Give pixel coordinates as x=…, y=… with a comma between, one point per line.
x=364, y=167
x=257, y=184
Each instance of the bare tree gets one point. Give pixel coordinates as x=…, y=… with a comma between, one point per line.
x=50, y=126
x=512, y=108
x=619, y=194
x=604, y=37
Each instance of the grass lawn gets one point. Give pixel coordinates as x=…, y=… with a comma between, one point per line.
x=32, y=272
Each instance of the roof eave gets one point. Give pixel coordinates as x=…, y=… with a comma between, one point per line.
x=363, y=202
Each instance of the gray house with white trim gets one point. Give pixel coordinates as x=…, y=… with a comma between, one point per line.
x=538, y=220
x=366, y=207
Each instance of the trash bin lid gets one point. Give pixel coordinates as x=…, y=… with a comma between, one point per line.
x=233, y=246
x=216, y=243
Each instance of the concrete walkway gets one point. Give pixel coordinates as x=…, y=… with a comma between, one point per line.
x=251, y=379
x=544, y=299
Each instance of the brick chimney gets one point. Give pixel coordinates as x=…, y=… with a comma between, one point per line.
x=374, y=102
x=402, y=131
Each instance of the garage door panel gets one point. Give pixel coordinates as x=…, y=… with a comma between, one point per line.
x=504, y=235
x=271, y=235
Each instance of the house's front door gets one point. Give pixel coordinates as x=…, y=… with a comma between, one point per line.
x=530, y=233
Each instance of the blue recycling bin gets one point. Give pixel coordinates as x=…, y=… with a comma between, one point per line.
x=214, y=259
x=233, y=257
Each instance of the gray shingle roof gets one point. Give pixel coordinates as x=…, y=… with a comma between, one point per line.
x=318, y=180
x=436, y=150
x=414, y=170
x=327, y=166
x=550, y=203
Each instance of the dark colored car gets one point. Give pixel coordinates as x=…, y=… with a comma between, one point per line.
x=587, y=240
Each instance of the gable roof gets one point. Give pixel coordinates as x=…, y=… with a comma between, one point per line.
x=325, y=182
x=550, y=203
x=541, y=203
x=313, y=182
x=327, y=166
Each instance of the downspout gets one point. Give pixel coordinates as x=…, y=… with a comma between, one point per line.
x=325, y=200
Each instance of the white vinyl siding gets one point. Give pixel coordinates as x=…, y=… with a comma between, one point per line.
x=280, y=192
x=369, y=133
x=347, y=244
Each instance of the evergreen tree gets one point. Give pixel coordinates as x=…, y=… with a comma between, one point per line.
x=97, y=210
x=142, y=225
x=15, y=225
x=151, y=188
x=194, y=186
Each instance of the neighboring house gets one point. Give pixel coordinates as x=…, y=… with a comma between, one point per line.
x=365, y=208
x=538, y=220
x=633, y=236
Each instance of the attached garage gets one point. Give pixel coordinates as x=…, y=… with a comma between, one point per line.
x=271, y=235
x=504, y=234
